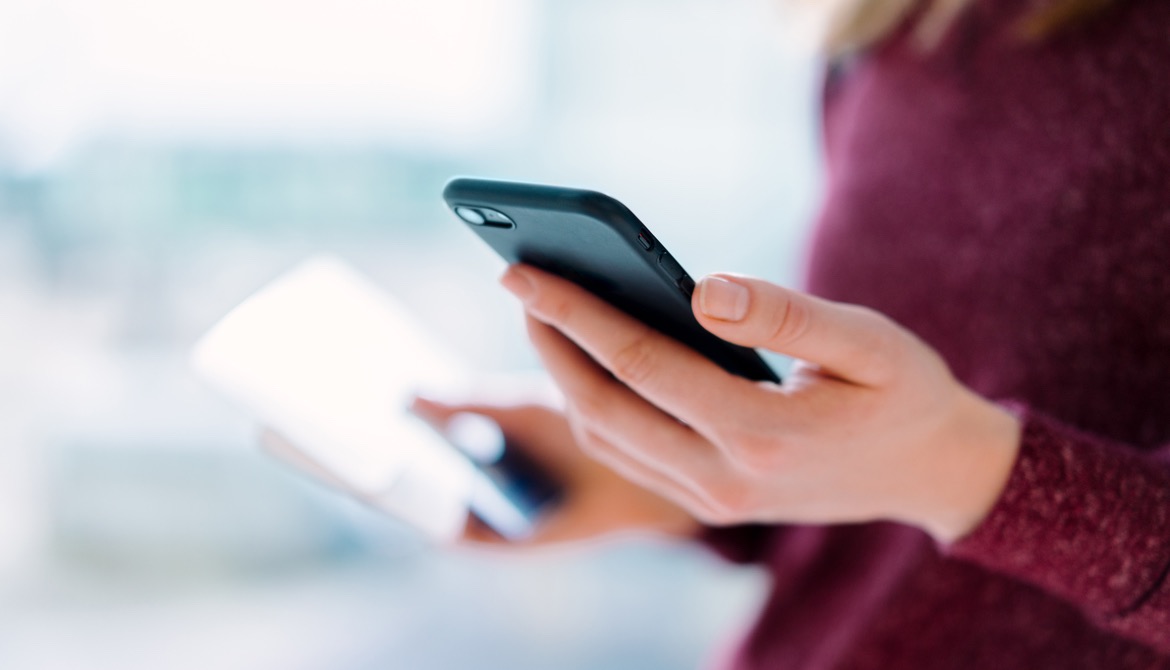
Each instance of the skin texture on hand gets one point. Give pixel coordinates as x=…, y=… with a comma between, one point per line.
x=870, y=425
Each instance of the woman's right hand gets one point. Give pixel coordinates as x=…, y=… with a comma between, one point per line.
x=597, y=502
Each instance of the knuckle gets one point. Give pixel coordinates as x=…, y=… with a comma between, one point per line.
x=788, y=322
x=554, y=308
x=635, y=362
x=876, y=348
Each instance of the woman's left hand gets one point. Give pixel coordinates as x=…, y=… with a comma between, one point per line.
x=869, y=425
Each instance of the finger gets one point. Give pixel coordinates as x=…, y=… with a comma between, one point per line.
x=665, y=372
x=515, y=421
x=476, y=531
x=625, y=419
x=438, y=414
x=637, y=472
x=488, y=394
x=538, y=431
x=850, y=342
x=432, y=411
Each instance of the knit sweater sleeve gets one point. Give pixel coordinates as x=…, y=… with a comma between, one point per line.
x=1087, y=520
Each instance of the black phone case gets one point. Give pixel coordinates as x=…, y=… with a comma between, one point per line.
x=596, y=242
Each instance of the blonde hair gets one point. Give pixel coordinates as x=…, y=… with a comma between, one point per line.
x=850, y=25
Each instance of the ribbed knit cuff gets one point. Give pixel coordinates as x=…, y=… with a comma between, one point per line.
x=1082, y=518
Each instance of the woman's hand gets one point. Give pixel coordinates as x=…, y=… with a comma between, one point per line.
x=871, y=425
x=597, y=502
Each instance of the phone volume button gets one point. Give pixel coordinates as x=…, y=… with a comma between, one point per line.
x=671, y=267
x=675, y=272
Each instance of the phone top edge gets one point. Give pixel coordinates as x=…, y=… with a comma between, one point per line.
x=476, y=191
x=479, y=187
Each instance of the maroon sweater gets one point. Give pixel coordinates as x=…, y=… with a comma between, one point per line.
x=1009, y=203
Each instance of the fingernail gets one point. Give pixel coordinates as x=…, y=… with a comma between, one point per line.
x=418, y=406
x=428, y=400
x=517, y=283
x=723, y=299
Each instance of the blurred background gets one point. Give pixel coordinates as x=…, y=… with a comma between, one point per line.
x=161, y=160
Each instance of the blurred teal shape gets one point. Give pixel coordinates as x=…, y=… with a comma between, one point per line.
x=126, y=191
x=193, y=511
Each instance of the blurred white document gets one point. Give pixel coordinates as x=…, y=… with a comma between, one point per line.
x=329, y=361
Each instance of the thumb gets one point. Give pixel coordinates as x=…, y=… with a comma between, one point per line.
x=853, y=343
x=435, y=412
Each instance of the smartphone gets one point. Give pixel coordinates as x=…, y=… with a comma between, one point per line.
x=597, y=242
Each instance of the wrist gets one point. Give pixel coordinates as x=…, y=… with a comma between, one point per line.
x=976, y=458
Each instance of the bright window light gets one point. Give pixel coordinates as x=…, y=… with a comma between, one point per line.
x=419, y=71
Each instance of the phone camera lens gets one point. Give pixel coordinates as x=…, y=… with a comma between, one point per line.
x=470, y=215
x=496, y=218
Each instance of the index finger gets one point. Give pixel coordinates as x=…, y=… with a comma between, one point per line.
x=667, y=373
